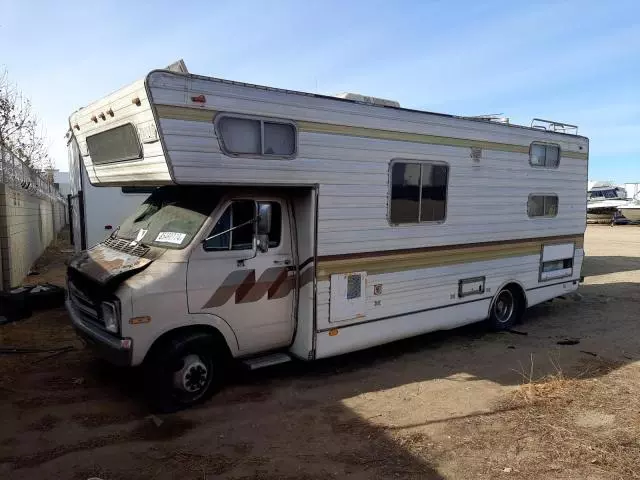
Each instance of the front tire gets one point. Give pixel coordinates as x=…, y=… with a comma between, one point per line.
x=506, y=309
x=184, y=371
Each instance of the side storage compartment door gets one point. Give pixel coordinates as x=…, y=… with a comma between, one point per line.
x=252, y=290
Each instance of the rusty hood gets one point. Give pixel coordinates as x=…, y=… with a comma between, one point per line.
x=104, y=264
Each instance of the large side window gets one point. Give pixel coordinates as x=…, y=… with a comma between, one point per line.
x=115, y=145
x=544, y=155
x=418, y=192
x=256, y=137
x=241, y=214
x=542, y=206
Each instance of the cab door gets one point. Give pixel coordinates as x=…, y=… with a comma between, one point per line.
x=251, y=289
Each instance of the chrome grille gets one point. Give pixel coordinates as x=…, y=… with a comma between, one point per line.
x=87, y=308
x=123, y=245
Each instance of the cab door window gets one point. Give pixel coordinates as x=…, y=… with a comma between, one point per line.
x=241, y=214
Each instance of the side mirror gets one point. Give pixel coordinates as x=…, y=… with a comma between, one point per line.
x=262, y=243
x=264, y=218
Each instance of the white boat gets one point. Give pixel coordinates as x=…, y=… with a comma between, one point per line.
x=603, y=201
x=631, y=210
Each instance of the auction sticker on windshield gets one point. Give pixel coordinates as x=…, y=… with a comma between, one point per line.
x=170, y=237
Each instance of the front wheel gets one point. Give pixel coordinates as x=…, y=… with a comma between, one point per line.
x=506, y=310
x=185, y=371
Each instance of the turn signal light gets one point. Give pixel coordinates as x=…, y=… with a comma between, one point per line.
x=139, y=320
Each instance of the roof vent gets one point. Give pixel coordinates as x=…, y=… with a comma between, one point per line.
x=492, y=117
x=356, y=97
x=178, y=66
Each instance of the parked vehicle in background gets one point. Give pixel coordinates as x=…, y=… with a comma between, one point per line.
x=292, y=224
x=631, y=210
x=96, y=211
x=603, y=200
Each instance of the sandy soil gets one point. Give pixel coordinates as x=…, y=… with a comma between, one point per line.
x=460, y=404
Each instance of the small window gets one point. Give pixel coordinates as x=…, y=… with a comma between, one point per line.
x=594, y=194
x=418, y=192
x=279, y=139
x=240, y=135
x=542, y=206
x=544, y=155
x=247, y=136
x=243, y=212
x=115, y=145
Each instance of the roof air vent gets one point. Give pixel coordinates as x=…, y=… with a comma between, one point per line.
x=381, y=102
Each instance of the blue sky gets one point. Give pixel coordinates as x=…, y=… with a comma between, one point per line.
x=577, y=62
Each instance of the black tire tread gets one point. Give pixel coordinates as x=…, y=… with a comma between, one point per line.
x=157, y=364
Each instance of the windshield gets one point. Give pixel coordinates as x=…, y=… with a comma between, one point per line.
x=603, y=194
x=170, y=217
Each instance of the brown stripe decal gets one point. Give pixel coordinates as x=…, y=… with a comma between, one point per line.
x=276, y=282
x=428, y=257
x=228, y=287
x=252, y=293
x=282, y=285
x=500, y=243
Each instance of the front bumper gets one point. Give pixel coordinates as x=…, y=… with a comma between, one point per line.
x=109, y=347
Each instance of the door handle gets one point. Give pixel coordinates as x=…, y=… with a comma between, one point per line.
x=282, y=262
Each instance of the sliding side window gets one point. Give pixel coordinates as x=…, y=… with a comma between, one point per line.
x=246, y=136
x=544, y=155
x=542, y=206
x=418, y=192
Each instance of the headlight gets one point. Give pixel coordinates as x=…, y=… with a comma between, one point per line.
x=110, y=316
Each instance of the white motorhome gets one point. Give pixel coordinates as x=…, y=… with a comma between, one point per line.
x=291, y=224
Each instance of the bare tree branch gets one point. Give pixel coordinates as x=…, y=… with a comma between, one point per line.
x=19, y=128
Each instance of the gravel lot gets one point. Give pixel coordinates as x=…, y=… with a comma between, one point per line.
x=459, y=404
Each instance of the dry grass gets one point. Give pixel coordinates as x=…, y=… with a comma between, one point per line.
x=586, y=425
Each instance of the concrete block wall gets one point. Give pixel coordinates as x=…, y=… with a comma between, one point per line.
x=28, y=224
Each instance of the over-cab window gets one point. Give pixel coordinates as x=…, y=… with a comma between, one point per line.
x=542, y=206
x=241, y=214
x=115, y=145
x=256, y=137
x=544, y=155
x=418, y=192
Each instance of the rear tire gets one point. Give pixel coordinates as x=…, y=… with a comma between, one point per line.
x=184, y=371
x=506, y=310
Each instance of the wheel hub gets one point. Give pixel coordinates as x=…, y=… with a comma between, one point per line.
x=504, y=306
x=193, y=375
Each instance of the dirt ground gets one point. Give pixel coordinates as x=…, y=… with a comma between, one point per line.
x=450, y=405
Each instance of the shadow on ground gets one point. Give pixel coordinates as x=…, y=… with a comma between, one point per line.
x=609, y=264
